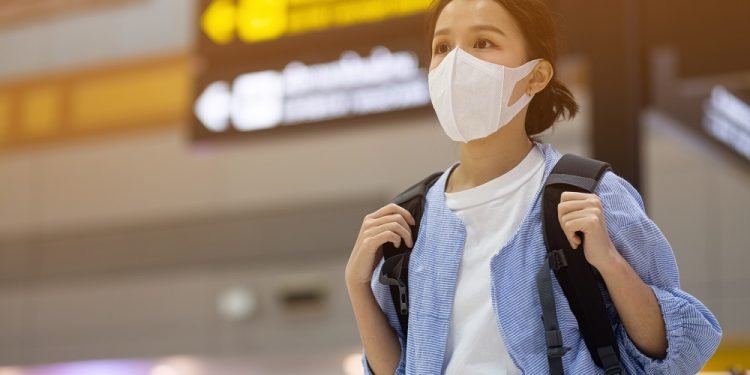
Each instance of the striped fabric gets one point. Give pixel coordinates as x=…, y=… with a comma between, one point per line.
x=693, y=332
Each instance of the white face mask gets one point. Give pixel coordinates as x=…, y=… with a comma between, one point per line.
x=471, y=96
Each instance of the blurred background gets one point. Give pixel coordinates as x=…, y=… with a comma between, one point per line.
x=182, y=181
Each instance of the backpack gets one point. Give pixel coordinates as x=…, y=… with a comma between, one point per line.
x=580, y=282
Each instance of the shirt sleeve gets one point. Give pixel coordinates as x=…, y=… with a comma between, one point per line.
x=693, y=333
x=382, y=295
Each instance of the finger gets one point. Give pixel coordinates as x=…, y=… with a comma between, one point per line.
x=571, y=227
x=398, y=218
x=392, y=208
x=574, y=195
x=585, y=212
x=405, y=233
x=565, y=208
x=578, y=223
x=392, y=227
x=387, y=236
x=591, y=203
x=582, y=224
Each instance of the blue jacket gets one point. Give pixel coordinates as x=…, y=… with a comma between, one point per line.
x=693, y=333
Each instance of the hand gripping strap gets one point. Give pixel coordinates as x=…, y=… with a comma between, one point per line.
x=395, y=270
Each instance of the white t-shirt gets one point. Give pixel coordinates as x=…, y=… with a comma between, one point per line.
x=491, y=213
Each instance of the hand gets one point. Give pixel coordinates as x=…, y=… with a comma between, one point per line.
x=388, y=224
x=582, y=212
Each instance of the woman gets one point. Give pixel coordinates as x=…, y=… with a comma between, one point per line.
x=474, y=307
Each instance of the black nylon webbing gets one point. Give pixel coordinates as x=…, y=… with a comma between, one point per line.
x=585, y=183
x=552, y=335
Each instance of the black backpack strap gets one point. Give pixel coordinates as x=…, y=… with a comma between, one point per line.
x=577, y=278
x=395, y=268
x=552, y=334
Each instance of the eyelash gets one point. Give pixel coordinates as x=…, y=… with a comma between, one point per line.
x=481, y=40
x=437, y=48
x=490, y=44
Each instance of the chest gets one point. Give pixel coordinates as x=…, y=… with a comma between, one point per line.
x=510, y=264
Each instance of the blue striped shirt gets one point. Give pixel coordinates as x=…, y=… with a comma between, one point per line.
x=693, y=333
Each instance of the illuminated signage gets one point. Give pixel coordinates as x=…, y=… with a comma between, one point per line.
x=727, y=118
x=321, y=62
x=301, y=93
x=263, y=20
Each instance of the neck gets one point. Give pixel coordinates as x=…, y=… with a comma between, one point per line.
x=484, y=159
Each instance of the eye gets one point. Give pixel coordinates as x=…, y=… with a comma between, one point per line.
x=483, y=43
x=441, y=48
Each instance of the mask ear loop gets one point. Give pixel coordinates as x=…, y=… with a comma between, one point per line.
x=525, y=98
x=519, y=104
x=530, y=91
x=510, y=111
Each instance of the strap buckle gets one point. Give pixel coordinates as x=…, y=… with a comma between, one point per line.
x=609, y=359
x=393, y=273
x=558, y=352
x=557, y=259
x=403, y=299
x=555, y=348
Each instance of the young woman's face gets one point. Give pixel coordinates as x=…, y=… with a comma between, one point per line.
x=482, y=28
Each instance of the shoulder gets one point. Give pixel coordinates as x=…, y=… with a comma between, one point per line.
x=634, y=234
x=621, y=202
x=617, y=194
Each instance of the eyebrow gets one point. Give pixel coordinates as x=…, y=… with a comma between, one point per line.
x=475, y=28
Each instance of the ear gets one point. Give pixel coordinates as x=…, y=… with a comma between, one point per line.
x=540, y=77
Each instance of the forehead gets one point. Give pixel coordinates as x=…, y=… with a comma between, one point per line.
x=460, y=14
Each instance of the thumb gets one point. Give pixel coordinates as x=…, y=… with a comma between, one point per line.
x=576, y=239
x=572, y=236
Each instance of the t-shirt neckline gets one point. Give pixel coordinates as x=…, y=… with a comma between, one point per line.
x=498, y=187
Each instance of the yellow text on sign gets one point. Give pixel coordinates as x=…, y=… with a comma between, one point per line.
x=264, y=20
x=259, y=20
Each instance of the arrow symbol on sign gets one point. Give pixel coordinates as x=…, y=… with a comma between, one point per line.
x=213, y=107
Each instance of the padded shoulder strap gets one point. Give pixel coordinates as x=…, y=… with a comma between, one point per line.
x=395, y=270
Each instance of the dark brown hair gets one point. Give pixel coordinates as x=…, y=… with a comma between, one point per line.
x=537, y=25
